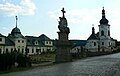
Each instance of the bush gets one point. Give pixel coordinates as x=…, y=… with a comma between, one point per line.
x=7, y=61
x=23, y=61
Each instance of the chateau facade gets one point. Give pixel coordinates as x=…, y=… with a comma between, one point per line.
x=15, y=41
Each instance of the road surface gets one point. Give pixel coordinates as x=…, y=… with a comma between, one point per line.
x=108, y=65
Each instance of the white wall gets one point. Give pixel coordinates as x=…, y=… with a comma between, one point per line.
x=92, y=45
x=48, y=43
x=3, y=40
x=10, y=48
x=20, y=43
x=105, y=28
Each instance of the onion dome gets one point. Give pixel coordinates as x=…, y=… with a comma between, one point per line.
x=16, y=30
x=103, y=20
x=15, y=33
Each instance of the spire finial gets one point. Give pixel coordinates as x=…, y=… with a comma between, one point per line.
x=93, y=30
x=103, y=13
x=63, y=11
x=92, y=25
x=16, y=20
x=103, y=7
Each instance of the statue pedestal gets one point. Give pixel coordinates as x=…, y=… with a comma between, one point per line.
x=63, y=48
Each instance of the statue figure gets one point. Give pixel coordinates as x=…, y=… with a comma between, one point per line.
x=63, y=23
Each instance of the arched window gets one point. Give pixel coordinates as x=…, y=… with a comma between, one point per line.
x=102, y=33
x=6, y=50
x=22, y=50
x=94, y=43
x=32, y=50
x=108, y=33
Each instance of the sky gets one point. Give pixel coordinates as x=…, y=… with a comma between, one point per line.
x=36, y=17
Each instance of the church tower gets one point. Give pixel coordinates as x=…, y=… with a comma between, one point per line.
x=104, y=33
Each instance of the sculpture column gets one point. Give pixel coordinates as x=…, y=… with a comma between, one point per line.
x=63, y=44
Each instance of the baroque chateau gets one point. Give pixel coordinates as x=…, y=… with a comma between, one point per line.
x=15, y=41
x=96, y=42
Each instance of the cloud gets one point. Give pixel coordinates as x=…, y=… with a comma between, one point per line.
x=25, y=7
x=5, y=28
x=82, y=19
x=76, y=16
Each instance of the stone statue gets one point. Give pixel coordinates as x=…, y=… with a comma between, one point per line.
x=62, y=44
x=63, y=23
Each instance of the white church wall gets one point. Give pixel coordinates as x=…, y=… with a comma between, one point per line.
x=92, y=45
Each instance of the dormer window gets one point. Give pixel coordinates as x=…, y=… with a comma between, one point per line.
x=49, y=42
x=36, y=42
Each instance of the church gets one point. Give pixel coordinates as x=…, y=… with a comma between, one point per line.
x=101, y=41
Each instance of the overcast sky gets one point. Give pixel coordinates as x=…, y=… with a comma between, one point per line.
x=36, y=17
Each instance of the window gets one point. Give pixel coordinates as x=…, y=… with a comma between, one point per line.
x=37, y=51
x=102, y=33
x=43, y=49
x=18, y=41
x=40, y=50
x=94, y=43
x=22, y=41
x=74, y=48
x=32, y=50
x=18, y=49
x=11, y=49
x=0, y=39
x=49, y=42
x=22, y=50
x=109, y=43
x=0, y=50
x=6, y=50
x=28, y=40
x=46, y=42
x=108, y=33
x=102, y=43
x=36, y=43
x=27, y=50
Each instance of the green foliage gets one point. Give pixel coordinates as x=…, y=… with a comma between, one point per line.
x=23, y=61
x=7, y=61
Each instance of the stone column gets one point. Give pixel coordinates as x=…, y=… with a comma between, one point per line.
x=63, y=45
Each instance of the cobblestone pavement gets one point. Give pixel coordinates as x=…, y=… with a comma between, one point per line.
x=108, y=65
